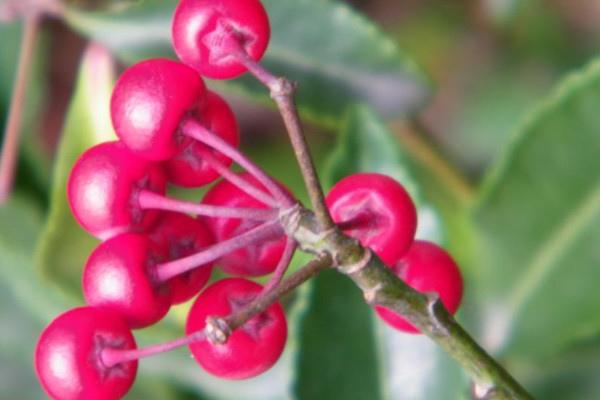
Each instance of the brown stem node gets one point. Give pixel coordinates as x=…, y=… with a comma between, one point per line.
x=290, y=219
x=282, y=87
x=217, y=330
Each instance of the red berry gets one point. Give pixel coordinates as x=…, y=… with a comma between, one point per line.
x=147, y=105
x=179, y=236
x=103, y=187
x=68, y=356
x=205, y=32
x=376, y=210
x=426, y=267
x=255, y=260
x=251, y=349
x=187, y=168
x=119, y=275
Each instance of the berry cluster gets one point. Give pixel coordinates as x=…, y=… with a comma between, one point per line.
x=173, y=131
x=153, y=254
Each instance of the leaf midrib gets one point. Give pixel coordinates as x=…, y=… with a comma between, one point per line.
x=551, y=252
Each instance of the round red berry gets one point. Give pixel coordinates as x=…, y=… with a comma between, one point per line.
x=426, y=267
x=251, y=349
x=188, y=168
x=206, y=32
x=120, y=276
x=179, y=236
x=147, y=105
x=254, y=260
x=376, y=210
x=103, y=188
x=68, y=356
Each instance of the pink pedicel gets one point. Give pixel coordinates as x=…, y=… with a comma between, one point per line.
x=255, y=260
x=179, y=236
x=188, y=168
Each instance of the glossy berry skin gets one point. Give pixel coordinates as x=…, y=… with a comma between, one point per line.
x=205, y=31
x=187, y=168
x=147, y=105
x=103, y=187
x=67, y=356
x=376, y=210
x=251, y=349
x=255, y=260
x=179, y=236
x=119, y=276
x=426, y=267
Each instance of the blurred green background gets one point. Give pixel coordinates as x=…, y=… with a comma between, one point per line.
x=486, y=110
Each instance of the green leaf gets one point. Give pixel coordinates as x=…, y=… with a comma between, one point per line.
x=539, y=221
x=338, y=56
x=20, y=224
x=133, y=33
x=573, y=376
x=25, y=303
x=337, y=358
x=367, y=145
x=347, y=353
x=407, y=366
x=65, y=246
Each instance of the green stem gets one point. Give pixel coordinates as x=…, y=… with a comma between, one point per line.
x=382, y=287
x=426, y=312
x=316, y=233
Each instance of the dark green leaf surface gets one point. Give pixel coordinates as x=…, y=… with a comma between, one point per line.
x=337, y=55
x=338, y=353
x=338, y=347
x=339, y=58
x=573, y=376
x=539, y=218
x=10, y=37
x=65, y=246
x=367, y=145
x=345, y=351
